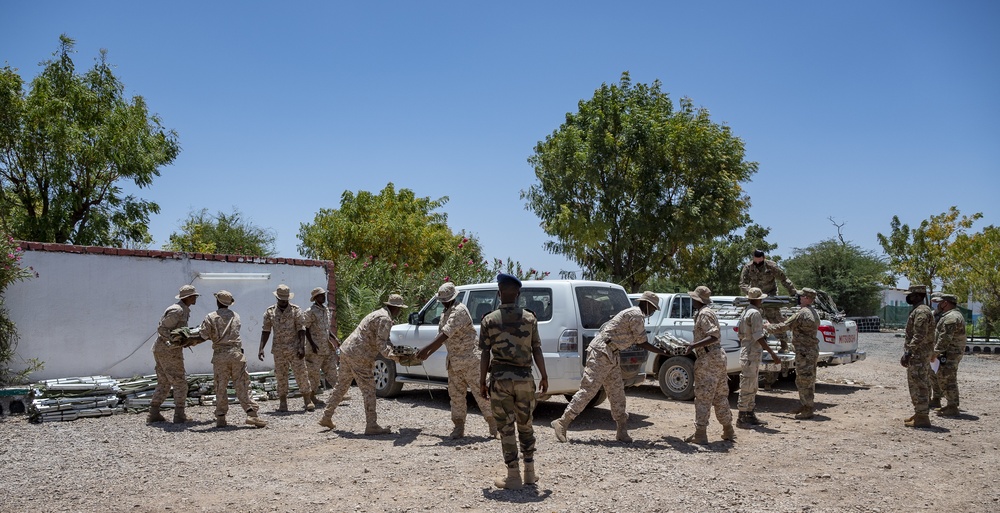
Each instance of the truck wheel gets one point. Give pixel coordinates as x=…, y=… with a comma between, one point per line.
x=385, y=378
x=677, y=378
x=598, y=399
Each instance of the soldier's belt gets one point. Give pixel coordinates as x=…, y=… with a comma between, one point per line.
x=711, y=347
x=499, y=368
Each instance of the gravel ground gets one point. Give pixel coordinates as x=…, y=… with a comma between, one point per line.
x=855, y=456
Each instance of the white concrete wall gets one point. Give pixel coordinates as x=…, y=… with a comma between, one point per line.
x=88, y=314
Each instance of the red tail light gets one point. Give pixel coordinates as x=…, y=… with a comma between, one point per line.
x=829, y=334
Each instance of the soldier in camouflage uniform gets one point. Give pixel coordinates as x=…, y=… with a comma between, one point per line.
x=170, y=358
x=324, y=344
x=603, y=368
x=508, y=339
x=289, y=347
x=222, y=327
x=764, y=274
x=949, y=346
x=752, y=340
x=456, y=332
x=357, y=360
x=918, y=348
x=803, y=324
x=711, y=387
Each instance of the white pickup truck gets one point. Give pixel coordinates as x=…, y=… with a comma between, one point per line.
x=838, y=340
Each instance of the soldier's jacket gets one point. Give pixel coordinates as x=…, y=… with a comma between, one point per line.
x=751, y=327
x=510, y=334
x=222, y=327
x=624, y=330
x=317, y=320
x=456, y=322
x=285, y=325
x=175, y=316
x=950, y=335
x=706, y=324
x=919, y=339
x=370, y=338
x=764, y=277
x=803, y=325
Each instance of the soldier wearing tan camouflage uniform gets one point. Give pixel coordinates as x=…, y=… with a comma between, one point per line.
x=357, y=360
x=323, y=344
x=752, y=340
x=456, y=332
x=711, y=387
x=603, y=368
x=764, y=274
x=508, y=338
x=803, y=324
x=222, y=327
x=170, y=358
x=918, y=348
x=288, y=349
x=949, y=346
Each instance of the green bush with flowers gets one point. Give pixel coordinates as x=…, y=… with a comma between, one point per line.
x=11, y=271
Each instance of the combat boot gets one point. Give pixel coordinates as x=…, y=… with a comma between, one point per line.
x=492, y=423
x=327, y=422
x=918, y=420
x=179, y=417
x=512, y=481
x=622, y=434
x=798, y=410
x=908, y=419
x=317, y=401
x=375, y=429
x=700, y=436
x=560, y=426
x=948, y=411
x=529, y=473
x=806, y=413
x=307, y=402
x=459, y=430
x=155, y=415
x=935, y=403
x=728, y=433
x=283, y=403
x=254, y=420
x=220, y=421
x=753, y=420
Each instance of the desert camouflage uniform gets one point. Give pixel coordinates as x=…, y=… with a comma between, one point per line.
x=919, y=342
x=317, y=321
x=464, y=358
x=765, y=278
x=357, y=361
x=170, y=359
x=751, y=329
x=710, y=380
x=950, y=342
x=510, y=334
x=222, y=327
x=286, y=325
x=803, y=324
x=603, y=367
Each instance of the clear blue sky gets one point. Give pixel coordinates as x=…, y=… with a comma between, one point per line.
x=854, y=110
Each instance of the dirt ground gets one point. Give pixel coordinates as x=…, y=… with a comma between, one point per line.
x=855, y=456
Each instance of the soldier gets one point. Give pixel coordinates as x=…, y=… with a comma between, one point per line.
x=603, y=368
x=322, y=341
x=764, y=275
x=949, y=346
x=710, y=380
x=288, y=348
x=170, y=358
x=803, y=324
x=357, y=359
x=935, y=388
x=918, y=348
x=752, y=339
x=456, y=332
x=222, y=327
x=508, y=339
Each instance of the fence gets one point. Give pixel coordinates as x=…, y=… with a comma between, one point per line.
x=895, y=316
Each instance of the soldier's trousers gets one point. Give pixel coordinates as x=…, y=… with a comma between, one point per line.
x=285, y=358
x=463, y=374
x=513, y=404
x=945, y=383
x=711, y=388
x=231, y=365
x=169, y=374
x=749, y=375
x=773, y=316
x=317, y=362
x=918, y=379
x=602, y=371
x=362, y=372
x=805, y=372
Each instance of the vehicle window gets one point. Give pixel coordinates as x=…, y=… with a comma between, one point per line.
x=686, y=312
x=599, y=304
x=432, y=312
x=675, y=308
x=482, y=302
x=538, y=301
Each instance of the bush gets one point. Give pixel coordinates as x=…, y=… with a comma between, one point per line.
x=11, y=271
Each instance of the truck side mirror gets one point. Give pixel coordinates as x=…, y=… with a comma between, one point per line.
x=415, y=318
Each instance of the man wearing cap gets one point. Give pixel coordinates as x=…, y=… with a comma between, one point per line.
x=603, y=368
x=323, y=343
x=222, y=327
x=288, y=350
x=170, y=358
x=752, y=340
x=918, y=348
x=455, y=331
x=711, y=387
x=804, y=325
x=357, y=359
x=949, y=346
x=509, y=341
x=764, y=274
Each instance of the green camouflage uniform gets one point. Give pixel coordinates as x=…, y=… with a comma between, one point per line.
x=222, y=327
x=710, y=381
x=317, y=321
x=285, y=348
x=803, y=324
x=510, y=334
x=950, y=343
x=765, y=277
x=170, y=358
x=919, y=342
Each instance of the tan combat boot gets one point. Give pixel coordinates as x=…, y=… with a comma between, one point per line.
x=529, y=473
x=798, y=410
x=283, y=403
x=327, y=422
x=805, y=413
x=459, y=430
x=316, y=399
x=622, y=435
x=254, y=420
x=935, y=402
x=512, y=481
x=179, y=417
x=949, y=411
x=728, y=433
x=220, y=421
x=560, y=427
x=155, y=415
x=375, y=429
x=918, y=420
x=700, y=436
x=308, y=402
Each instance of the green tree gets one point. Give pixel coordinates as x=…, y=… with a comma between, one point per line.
x=920, y=254
x=222, y=233
x=718, y=264
x=67, y=146
x=974, y=269
x=851, y=275
x=627, y=181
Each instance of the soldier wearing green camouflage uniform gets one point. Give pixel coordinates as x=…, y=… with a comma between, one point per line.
x=752, y=342
x=222, y=327
x=508, y=339
x=357, y=361
x=711, y=387
x=455, y=331
x=918, y=349
x=288, y=350
x=170, y=358
x=764, y=274
x=803, y=324
x=322, y=356
x=949, y=346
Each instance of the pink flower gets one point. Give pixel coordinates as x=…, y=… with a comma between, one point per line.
x=406, y=265
x=470, y=261
x=354, y=255
x=366, y=264
x=447, y=278
x=460, y=246
x=465, y=239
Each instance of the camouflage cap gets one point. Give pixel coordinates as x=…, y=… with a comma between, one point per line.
x=283, y=292
x=186, y=291
x=224, y=297
x=447, y=292
x=315, y=292
x=651, y=298
x=394, y=300
x=951, y=298
x=808, y=292
x=702, y=294
x=755, y=293
x=917, y=289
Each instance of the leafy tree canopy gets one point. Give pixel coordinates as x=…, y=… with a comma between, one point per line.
x=974, y=268
x=851, y=275
x=920, y=254
x=67, y=145
x=222, y=233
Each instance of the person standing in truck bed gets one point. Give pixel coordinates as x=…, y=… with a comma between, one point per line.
x=764, y=274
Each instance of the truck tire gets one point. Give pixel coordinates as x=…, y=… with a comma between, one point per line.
x=601, y=396
x=676, y=378
x=385, y=378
